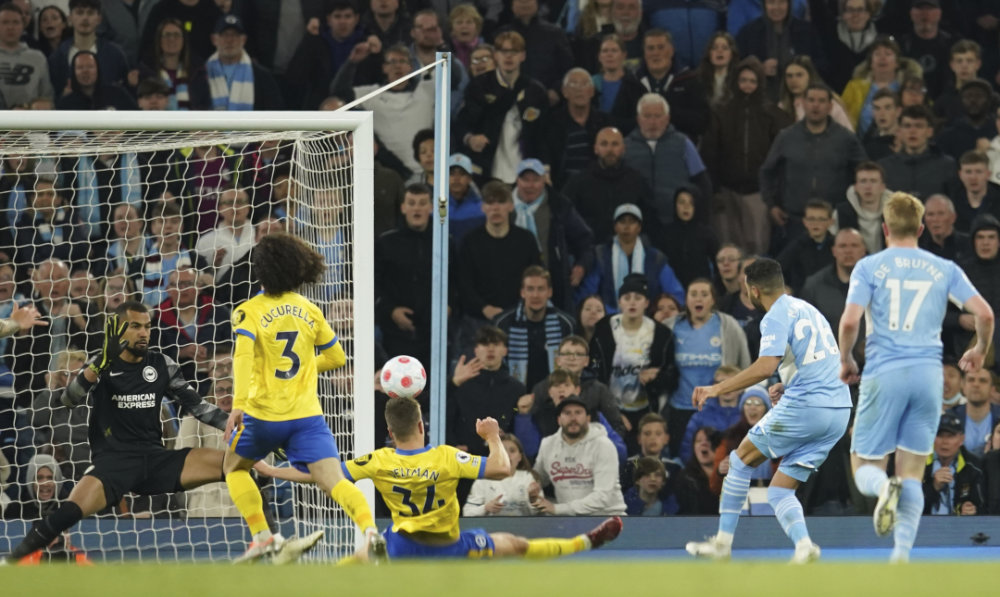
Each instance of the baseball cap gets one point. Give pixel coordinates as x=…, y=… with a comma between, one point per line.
x=634, y=283
x=229, y=22
x=531, y=164
x=950, y=424
x=931, y=3
x=462, y=161
x=570, y=400
x=628, y=209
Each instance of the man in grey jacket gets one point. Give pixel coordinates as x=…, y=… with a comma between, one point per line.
x=24, y=73
x=581, y=464
x=812, y=159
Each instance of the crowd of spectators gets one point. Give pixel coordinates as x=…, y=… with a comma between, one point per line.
x=616, y=164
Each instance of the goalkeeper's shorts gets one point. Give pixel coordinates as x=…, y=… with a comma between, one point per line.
x=142, y=472
x=305, y=440
x=474, y=544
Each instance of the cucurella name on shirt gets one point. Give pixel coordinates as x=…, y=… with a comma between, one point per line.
x=283, y=310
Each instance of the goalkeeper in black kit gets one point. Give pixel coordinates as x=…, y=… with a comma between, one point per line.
x=126, y=383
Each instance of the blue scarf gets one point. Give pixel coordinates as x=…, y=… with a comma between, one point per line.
x=87, y=200
x=131, y=181
x=235, y=93
x=517, y=342
x=525, y=215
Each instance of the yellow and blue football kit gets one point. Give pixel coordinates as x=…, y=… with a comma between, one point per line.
x=419, y=487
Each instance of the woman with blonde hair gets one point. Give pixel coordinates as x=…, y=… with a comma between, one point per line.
x=466, y=26
x=885, y=68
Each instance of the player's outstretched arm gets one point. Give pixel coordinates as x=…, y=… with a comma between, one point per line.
x=980, y=309
x=184, y=396
x=498, y=462
x=850, y=326
x=331, y=358
x=757, y=372
x=21, y=319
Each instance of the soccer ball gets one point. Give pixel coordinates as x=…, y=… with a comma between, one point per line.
x=403, y=377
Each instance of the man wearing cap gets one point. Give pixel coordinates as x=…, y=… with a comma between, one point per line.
x=976, y=121
x=627, y=254
x=565, y=241
x=230, y=79
x=581, y=464
x=605, y=184
x=978, y=415
x=983, y=270
x=953, y=481
x=465, y=211
x=84, y=18
x=928, y=44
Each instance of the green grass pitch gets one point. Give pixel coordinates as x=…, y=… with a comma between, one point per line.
x=579, y=578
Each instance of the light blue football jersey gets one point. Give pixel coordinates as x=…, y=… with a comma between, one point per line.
x=905, y=293
x=798, y=332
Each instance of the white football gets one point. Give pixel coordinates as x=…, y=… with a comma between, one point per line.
x=403, y=377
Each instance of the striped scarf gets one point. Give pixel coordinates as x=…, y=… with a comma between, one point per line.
x=231, y=95
x=622, y=266
x=517, y=342
x=180, y=97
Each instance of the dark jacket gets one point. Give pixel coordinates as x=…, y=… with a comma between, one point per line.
x=212, y=327
x=593, y=393
x=661, y=354
x=964, y=213
x=802, y=165
x=804, y=256
x=740, y=134
x=490, y=268
x=111, y=63
x=623, y=110
x=991, y=472
x=548, y=56
x=969, y=484
x=961, y=135
x=921, y=175
x=555, y=149
x=266, y=94
x=690, y=248
x=600, y=279
x=827, y=293
x=689, y=111
x=666, y=169
x=597, y=191
x=314, y=64
x=712, y=414
x=956, y=247
x=262, y=17
x=803, y=39
x=486, y=105
x=489, y=394
x=532, y=345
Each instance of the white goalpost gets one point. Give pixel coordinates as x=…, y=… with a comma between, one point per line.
x=86, y=219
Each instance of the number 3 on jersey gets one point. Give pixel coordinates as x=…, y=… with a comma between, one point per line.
x=816, y=328
x=921, y=287
x=407, y=496
x=289, y=339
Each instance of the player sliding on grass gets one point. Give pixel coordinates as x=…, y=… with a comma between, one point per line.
x=906, y=291
x=282, y=343
x=418, y=482
x=810, y=418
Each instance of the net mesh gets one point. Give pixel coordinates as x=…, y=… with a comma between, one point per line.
x=90, y=218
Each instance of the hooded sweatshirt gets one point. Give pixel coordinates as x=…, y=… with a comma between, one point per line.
x=27, y=76
x=584, y=474
x=868, y=223
x=43, y=461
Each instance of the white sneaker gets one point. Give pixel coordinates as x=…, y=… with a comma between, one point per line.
x=292, y=549
x=375, y=547
x=259, y=549
x=884, y=517
x=806, y=551
x=711, y=548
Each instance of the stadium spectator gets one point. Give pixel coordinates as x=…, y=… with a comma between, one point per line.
x=494, y=257
x=627, y=254
x=721, y=412
x=423, y=154
x=688, y=242
x=976, y=122
x=42, y=493
x=978, y=416
x=572, y=127
x=813, y=158
x=548, y=52
x=606, y=183
x=32, y=80
x=666, y=307
x=826, y=288
x=727, y=269
x=652, y=441
x=428, y=40
x=198, y=176
x=754, y=404
x=53, y=29
x=885, y=68
x=649, y=494
x=465, y=211
x=465, y=25
x=953, y=482
x=591, y=311
x=590, y=486
x=739, y=136
x=482, y=60
x=739, y=305
x=810, y=252
x=798, y=76
x=717, y=68
x=171, y=62
x=46, y=229
x=233, y=238
x=677, y=85
x=928, y=44
x=665, y=157
x=231, y=79
x=480, y=388
x=695, y=494
x=17, y=178
x=617, y=89
x=954, y=380
x=508, y=497
x=882, y=139
x=863, y=208
x=565, y=241
x=587, y=23
x=501, y=122
x=128, y=246
x=741, y=12
x=166, y=254
x=692, y=26
x=153, y=94
x=777, y=36
x=991, y=470
x=198, y=18
x=115, y=290
x=972, y=192
x=846, y=39
x=535, y=328
x=940, y=236
x=966, y=60
x=59, y=429
x=110, y=60
x=88, y=89
x=123, y=23
x=388, y=21
x=626, y=16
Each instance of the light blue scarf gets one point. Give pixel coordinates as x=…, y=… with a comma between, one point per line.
x=87, y=200
x=231, y=95
x=131, y=181
x=525, y=215
x=620, y=261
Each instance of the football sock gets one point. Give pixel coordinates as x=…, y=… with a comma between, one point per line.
x=44, y=531
x=870, y=479
x=353, y=502
x=911, y=506
x=788, y=510
x=734, y=493
x=550, y=548
x=247, y=498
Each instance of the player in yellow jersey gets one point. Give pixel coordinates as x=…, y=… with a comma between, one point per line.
x=418, y=484
x=282, y=343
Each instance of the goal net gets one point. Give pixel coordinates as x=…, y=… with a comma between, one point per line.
x=100, y=207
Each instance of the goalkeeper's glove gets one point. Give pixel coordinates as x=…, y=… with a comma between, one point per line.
x=113, y=332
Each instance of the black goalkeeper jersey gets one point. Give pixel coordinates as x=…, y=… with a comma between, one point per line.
x=125, y=404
